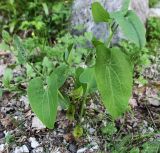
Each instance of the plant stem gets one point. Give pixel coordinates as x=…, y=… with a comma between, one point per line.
x=111, y=33
x=82, y=107
x=36, y=70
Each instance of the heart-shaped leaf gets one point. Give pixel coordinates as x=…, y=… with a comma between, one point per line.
x=44, y=99
x=131, y=26
x=114, y=79
x=99, y=13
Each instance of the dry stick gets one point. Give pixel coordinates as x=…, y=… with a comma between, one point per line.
x=150, y=116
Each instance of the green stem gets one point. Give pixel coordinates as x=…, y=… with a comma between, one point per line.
x=82, y=108
x=40, y=74
x=111, y=33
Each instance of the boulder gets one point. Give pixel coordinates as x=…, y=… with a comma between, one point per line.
x=82, y=16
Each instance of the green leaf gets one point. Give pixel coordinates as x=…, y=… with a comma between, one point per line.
x=4, y=46
x=135, y=150
x=132, y=27
x=125, y=6
x=30, y=72
x=44, y=99
x=78, y=131
x=114, y=79
x=71, y=112
x=22, y=56
x=1, y=93
x=88, y=77
x=7, y=77
x=63, y=100
x=99, y=13
x=109, y=129
x=62, y=72
x=151, y=147
x=45, y=8
x=6, y=37
x=77, y=93
x=47, y=65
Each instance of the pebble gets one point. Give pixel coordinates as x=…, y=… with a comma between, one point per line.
x=34, y=142
x=91, y=130
x=36, y=123
x=2, y=147
x=151, y=129
x=38, y=150
x=95, y=145
x=72, y=148
x=82, y=150
x=2, y=135
x=154, y=101
x=25, y=101
x=22, y=149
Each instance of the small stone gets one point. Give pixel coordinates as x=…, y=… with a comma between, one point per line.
x=72, y=148
x=36, y=123
x=154, y=101
x=91, y=130
x=2, y=135
x=95, y=147
x=151, y=129
x=25, y=102
x=2, y=147
x=22, y=149
x=133, y=102
x=82, y=150
x=34, y=142
x=145, y=123
x=2, y=69
x=38, y=150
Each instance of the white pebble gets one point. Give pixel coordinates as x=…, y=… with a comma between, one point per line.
x=34, y=142
x=38, y=150
x=2, y=146
x=82, y=150
x=21, y=149
x=36, y=123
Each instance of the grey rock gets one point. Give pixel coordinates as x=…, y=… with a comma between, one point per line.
x=37, y=124
x=72, y=148
x=154, y=12
x=82, y=150
x=81, y=15
x=2, y=135
x=38, y=150
x=22, y=149
x=34, y=142
x=2, y=147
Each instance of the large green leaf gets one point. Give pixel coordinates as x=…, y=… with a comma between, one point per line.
x=114, y=79
x=125, y=6
x=44, y=99
x=99, y=13
x=88, y=77
x=131, y=26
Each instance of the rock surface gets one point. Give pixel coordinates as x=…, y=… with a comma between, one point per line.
x=154, y=12
x=81, y=15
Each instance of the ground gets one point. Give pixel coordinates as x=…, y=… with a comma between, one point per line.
x=21, y=130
